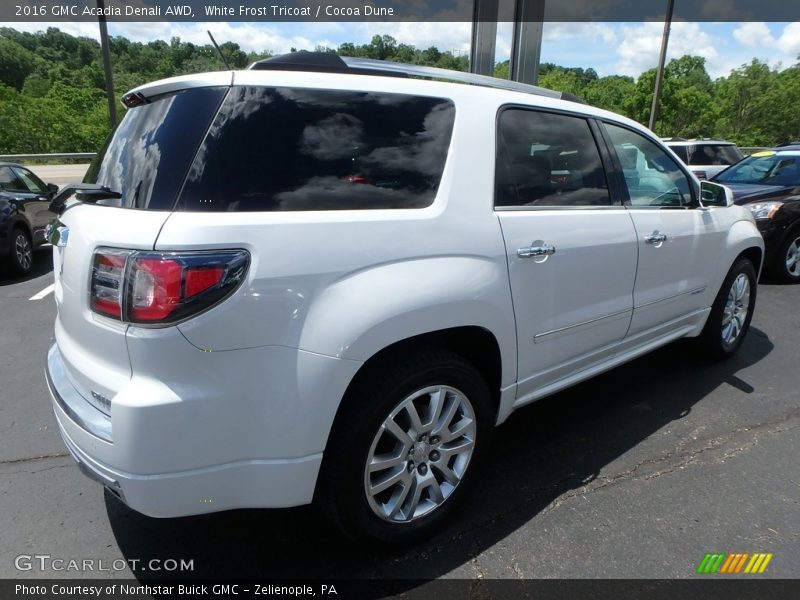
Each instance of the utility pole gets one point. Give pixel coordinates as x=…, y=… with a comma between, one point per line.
x=526, y=43
x=112, y=104
x=661, y=60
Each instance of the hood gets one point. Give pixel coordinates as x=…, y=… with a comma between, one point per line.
x=744, y=193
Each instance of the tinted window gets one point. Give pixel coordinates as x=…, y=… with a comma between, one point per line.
x=653, y=178
x=764, y=168
x=32, y=183
x=713, y=154
x=147, y=156
x=295, y=149
x=545, y=159
x=10, y=181
x=681, y=152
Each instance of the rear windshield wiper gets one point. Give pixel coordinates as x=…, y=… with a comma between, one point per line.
x=84, y=192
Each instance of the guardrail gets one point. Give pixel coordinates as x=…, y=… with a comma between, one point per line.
x=62, y=156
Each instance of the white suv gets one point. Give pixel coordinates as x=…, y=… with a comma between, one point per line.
x=319, y=281
x=706, y=158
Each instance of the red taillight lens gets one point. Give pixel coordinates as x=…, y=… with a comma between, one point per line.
x=163, y=287
x=107, y=278
x=702, y=175
x=199, y=279
x=156, y=288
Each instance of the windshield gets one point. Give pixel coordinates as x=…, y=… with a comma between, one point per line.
x=714, y=154
x=769, y=169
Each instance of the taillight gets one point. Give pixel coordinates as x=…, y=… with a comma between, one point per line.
x=160, y=288
x=701, y=175
x=107, y=275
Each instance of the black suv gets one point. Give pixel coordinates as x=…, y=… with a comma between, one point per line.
x=24, y=214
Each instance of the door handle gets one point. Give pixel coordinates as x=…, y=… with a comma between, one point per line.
x=655, y=238
x=543, y=250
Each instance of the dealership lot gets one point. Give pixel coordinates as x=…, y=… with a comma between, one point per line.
x=637, y=473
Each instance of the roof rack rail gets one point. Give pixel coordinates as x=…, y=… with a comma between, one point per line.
x=328, y=62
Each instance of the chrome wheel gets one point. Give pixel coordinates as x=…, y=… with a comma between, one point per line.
x=737, y=304
x=793, y=258
x=420, y=454
x=23, y=251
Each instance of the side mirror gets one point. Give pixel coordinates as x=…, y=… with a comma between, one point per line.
x=714, y=194
x=52, y=188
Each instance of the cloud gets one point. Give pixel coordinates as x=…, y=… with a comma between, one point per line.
x=754, y=34
x=778, y=51
x=789, y=41
x=641, y=43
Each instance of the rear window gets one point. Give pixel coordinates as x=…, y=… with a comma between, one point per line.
x=285, y=149
x=680, y=151
x=146, y=158
x=713, y=155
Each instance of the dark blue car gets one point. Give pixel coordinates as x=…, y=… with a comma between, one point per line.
x=24, y=215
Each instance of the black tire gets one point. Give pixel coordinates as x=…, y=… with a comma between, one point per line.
x=713, y=338
x=780, y=265
x=342, y=490
x=21, y=252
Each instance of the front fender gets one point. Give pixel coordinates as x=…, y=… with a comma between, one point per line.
x=367, y=311
x=742, y=236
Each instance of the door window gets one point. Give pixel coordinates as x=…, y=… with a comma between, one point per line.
x=653, y=178
x=10, y=182
x=546, y=159
x=30, y=181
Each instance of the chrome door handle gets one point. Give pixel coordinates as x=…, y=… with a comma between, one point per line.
x=655, y=238
x=544, y=250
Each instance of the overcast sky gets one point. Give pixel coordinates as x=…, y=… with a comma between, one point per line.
x=609, y=48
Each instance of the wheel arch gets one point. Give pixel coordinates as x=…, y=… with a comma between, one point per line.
x=476, y=345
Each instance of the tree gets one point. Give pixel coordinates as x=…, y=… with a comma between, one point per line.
x=16, y=63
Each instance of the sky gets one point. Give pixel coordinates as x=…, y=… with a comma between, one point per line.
x=608, y=48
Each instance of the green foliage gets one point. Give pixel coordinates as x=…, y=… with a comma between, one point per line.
x=52, y=88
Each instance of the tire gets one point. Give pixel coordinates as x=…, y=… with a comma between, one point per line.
x=787, y=260
x=731, y=312
x=21, y=254
x=429, y=464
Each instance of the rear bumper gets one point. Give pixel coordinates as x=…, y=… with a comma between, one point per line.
x=122, y=451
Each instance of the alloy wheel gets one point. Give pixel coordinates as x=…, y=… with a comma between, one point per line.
x=420, y=454
x=23, y=251
x=737, y=304
x=792, y=258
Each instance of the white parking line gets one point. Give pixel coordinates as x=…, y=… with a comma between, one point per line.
x=43, y=293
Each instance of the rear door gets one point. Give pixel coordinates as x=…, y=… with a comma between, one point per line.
x=571, y=249
x=145, y=160
x=679, y=243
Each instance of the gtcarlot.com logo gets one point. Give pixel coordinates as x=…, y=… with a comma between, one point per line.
x=735, y=563
x=46, y=562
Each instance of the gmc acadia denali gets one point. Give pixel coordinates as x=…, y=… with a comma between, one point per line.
x=325, y=279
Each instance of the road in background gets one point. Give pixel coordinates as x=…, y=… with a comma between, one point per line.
x=60, y=174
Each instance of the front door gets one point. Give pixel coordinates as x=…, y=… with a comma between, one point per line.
x=677, y=240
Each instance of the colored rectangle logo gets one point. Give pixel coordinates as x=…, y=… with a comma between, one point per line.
x=735, y=563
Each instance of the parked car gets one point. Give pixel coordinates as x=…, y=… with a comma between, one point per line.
x=705, y=157
x=768, y=183
x=24, y=215
x=325, y=282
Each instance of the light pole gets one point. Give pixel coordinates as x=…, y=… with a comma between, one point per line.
x=112, y=104
x=661, y=60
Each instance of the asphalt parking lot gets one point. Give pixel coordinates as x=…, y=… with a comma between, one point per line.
x=637, y=473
